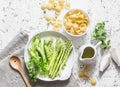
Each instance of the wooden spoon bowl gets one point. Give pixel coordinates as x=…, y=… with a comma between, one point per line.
x=17, y=65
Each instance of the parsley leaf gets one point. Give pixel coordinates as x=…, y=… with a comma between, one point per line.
x=105, y=45
x=101, y=35
x=100, y=32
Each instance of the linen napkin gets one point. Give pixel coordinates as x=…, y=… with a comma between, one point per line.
x=11, y=78
x=8, y=76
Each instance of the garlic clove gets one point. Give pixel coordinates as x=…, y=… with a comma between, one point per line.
x=115, y=55
x=105, y=62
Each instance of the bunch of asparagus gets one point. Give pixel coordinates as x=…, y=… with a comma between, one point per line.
x=47, y=57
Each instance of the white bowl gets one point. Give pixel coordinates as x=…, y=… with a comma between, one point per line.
x=77, y=35
x=66, y=72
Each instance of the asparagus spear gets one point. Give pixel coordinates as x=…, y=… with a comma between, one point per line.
x=55, y=54
x=57, y=63
x=57, y=60
x=60, y=60
x=63, y=59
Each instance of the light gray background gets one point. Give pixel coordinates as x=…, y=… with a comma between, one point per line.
x=19, y=15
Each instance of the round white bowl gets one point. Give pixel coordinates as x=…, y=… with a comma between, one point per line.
x=77, y=35
x=66, y=72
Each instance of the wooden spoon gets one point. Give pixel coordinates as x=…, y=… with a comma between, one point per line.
x=17, y=65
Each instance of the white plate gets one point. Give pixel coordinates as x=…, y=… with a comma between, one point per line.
x=66, y=72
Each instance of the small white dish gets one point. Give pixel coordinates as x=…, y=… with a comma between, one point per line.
x=90, y=48
x=66, y=72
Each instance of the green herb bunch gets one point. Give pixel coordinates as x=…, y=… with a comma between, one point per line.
x=100, y=34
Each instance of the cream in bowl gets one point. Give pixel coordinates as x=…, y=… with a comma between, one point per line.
x=76, y=22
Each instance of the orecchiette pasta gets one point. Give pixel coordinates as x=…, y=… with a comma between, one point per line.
x=57, y=12
x=49, y=6
x=47, y=17
x=59, y=22
x=53, y=20
x=58, y=9
x=56, y=26
x=43, y=6
x=57, y=6
x=76, y=21
x=67, y=5
x=61, y=1
x=51, y=1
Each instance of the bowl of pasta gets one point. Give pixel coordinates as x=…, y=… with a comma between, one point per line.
x=76, y=22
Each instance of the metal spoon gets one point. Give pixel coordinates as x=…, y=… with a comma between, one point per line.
x=17, y=65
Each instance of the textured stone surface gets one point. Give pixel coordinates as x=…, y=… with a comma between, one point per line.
x=19, y=15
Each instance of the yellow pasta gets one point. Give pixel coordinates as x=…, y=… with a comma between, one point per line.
x=43, y=6
x=82, y=21
x=78, y=32
x=58, y=9
x=56, y=26
x=62, y=6
x=76, y=22
x=58, y=6
x=61, y=2
x=72, y=31
x=75, y=26
x=51, y=1
x=67, y=5
x=57, y=12
x=49, y=6
x=47, y=17
x=83, y=28
x=59, y=22
x=73, y=20
x=80, y=16
x=55, y=4
x=68, y=25
x=53, y=20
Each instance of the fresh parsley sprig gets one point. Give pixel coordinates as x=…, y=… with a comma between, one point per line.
x=100, y=34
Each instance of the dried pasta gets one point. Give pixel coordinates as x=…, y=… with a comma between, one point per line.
x=76, y=22
x=59, y=22
x=51, y=1
x=47, y=17
x=57, y=6
x=67, y=5
x=49, y=6
x=56, y=26
x=61, y=2
x=53, y=20
x=43, y=6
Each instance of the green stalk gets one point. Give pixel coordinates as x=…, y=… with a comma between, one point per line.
x=57, y=61
x=55, y=54
x=65, y=60
x=68, y=45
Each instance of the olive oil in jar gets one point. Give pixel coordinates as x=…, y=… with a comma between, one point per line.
x=88, y=52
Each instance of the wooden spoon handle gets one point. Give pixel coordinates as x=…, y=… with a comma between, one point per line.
x=25, y=79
